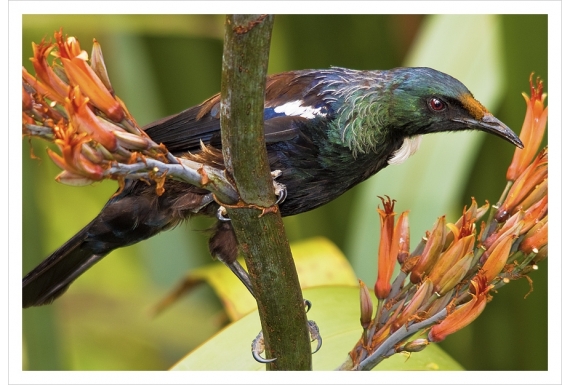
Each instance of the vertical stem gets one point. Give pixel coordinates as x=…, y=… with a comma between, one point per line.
x=262, y=240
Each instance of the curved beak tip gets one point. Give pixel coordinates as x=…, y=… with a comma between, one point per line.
x=494, y=126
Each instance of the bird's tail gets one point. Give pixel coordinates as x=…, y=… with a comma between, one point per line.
x=135, y=214
x=52, y=277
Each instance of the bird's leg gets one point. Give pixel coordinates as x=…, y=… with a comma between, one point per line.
x=258, y=344
x=206, y=200
x=242, y=275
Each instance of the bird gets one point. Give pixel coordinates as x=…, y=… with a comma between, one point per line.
x=325, y=131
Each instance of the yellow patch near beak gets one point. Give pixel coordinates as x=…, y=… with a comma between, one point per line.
x=472, y=105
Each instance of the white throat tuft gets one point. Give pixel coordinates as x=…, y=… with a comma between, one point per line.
x=409, y=148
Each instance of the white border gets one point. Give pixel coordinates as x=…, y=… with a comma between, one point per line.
x=12, y=157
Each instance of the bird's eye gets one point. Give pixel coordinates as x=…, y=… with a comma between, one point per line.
x=436, y=104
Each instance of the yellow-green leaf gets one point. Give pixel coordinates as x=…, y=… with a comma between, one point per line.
x=319, y=262
x=336, y=311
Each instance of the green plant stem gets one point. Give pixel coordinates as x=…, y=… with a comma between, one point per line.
x=261, y=237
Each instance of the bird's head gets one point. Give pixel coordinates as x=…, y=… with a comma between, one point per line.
x=424, y=100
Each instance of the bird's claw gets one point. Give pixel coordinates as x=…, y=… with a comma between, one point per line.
x=315, y=335
x=222, y=214
x=308, y=305
x=258, y=347
x=279, y=188
x=258, y=344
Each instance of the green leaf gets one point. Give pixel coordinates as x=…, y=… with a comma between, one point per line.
x=319, y=262
x=336, y=311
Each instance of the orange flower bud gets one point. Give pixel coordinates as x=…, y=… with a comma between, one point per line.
x=132, y=141
x=450, y=257
x=71, y=179
x=98, y=65
x=439, y=304
x=535, y=195
x=402, y=234
x=414, y=346
x=463, y=315
x=528, y=180
x=536, y=238
x=498, y=258
x=534, y=214
x=420, y=297
x=431, y=251
x=455, y=274
x=366, y=306
x=512, y=226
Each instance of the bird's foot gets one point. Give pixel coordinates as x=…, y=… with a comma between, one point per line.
x=222, y=214
x=258, y=344
x=280, y=191
x=315, y=334
x=258, y=347
x=279, y=188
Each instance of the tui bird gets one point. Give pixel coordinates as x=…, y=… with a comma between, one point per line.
x=325, y=130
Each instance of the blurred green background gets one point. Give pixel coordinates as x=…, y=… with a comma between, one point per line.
x=162, y=64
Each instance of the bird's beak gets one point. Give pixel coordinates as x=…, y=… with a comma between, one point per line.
x=494, y=126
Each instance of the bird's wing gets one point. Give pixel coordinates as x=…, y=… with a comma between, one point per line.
x=284, y=114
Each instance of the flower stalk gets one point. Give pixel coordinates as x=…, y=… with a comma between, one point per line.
x=71, y=103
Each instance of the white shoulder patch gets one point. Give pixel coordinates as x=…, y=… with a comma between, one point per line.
x=294, y=108
x=409, y=148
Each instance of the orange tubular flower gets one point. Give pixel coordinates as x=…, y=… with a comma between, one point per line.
x=53, y=87
x=84, y=120
x=431, y=251
x=465, y=314
x=387, y=253
x=80, y=74
x=532, y=130
x=78, y=170
x=498, y=258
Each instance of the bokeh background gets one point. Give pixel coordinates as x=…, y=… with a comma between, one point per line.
x=162, y=64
